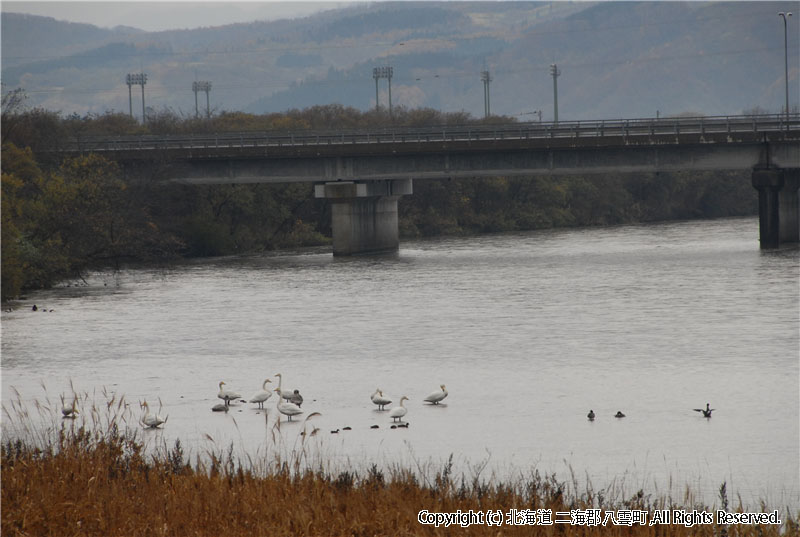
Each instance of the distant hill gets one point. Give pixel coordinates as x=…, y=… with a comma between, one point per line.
x=617, y=59
x=28, y=39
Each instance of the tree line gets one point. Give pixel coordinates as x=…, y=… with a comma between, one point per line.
x=63, y=217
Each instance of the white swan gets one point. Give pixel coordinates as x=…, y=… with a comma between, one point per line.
x=151, y=420
x=262, y=396
x=284, y=394
x=379, y=399
x=227, y=395
x=437, y=396
x=69, y=411
x=398, y=412
x=287, y=409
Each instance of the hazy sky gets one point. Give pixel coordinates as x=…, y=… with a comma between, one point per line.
x=155, y=15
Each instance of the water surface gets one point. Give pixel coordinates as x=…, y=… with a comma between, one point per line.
x=528, y=331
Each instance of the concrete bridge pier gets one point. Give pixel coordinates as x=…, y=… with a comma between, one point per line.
x=778, y=205
x=364, y=214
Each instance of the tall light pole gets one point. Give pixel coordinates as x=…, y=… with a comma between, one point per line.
x=555, y=72
x=383, y=72
x=201, y=85
x=487, y=78
x=785, y=59
x=136, y=79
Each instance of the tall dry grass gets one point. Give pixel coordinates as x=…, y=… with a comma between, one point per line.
x=95, y=477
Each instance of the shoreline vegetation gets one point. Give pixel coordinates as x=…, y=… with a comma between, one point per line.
x=62, y=218
x=95, y=475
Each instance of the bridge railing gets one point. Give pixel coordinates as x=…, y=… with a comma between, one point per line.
x=443, y=134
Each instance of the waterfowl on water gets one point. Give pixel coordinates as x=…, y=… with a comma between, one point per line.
x=296, y=398
x=69, y=411
x=398, y=412
x=287, y=409
x=227, y=395
x=619, y=414
x=262, y=396
x=379, y=399
x=590, y=415
x=705, y=411
x=437, y=396
x=285, y=394
x=151, y=421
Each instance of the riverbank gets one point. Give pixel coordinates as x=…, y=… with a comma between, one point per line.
x=96, y=476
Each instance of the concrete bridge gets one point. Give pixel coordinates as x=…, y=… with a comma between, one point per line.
x=363, y=173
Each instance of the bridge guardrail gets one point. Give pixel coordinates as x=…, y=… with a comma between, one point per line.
x=472, y=133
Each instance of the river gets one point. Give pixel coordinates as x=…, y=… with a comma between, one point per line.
x=528, y=331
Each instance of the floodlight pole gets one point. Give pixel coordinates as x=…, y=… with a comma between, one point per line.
x=487, y=78
x=378, y=73
x=136, y=79
x=130, y=95
x=555, y=72
x=203, y=85
x=786, y=60
x=376, y=76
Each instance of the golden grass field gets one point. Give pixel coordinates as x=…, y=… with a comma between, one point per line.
x=93, y=476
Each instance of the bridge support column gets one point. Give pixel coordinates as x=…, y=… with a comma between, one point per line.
x=789, y=207
x=778, y=206
x=364, y=214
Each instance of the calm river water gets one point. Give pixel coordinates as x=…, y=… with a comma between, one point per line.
x=528, y=331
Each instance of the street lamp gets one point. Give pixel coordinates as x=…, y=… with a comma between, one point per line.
x=786, y=60
x=383, y=72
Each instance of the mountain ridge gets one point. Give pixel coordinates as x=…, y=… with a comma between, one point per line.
x=617, y=59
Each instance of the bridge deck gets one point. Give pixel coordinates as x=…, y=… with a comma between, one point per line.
x=602, y=133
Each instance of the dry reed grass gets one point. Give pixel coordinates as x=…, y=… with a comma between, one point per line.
x=95, y=478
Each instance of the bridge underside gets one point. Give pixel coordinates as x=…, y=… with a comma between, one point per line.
x=468, y=161
x=363, y=182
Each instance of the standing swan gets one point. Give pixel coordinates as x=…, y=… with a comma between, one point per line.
x=284, y=394
x=149, y=420
x=262, y=396
x=437, y=396
x=287, y=409
x=398, y=412
x=227, y=395
x=380, y=400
